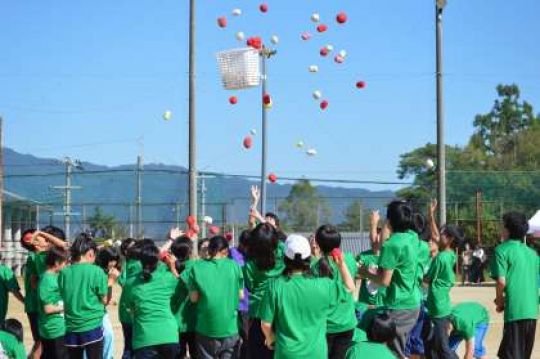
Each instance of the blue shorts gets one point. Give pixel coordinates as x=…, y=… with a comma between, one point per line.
x=479, y=334
x=415, y=341
x=82, y=339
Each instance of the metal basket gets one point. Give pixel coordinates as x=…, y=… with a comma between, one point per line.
x=239, y=68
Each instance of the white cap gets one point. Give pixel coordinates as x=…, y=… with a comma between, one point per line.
x=297, y=244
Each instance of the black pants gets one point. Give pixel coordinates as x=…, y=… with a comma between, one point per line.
x=243, y=331
x=54, y=348
x=217, y=348
x=188, y=344
x=338, y=343
x=127, y=330
x=256, y=347
x=163, y=351
x=518, y=339
x=93, y=351
x=437, y=346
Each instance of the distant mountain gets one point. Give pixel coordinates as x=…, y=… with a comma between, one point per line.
x=164, y=191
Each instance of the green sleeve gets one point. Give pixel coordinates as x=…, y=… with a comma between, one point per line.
x=20, y=352
x=101, y=283
x=499, y=265
x=240, y=277
x=123, y=275
x=61, y=281
x=192, y=281
x=10, y=280
x=434, y=269
x=389, y=256
x=465, y=328
x=45, y=295
x=351, y=265
x=267, y=310
x=248, y=275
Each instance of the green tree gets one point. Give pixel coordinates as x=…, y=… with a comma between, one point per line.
x=102, y=224
x=356, y=216
x=303, y=208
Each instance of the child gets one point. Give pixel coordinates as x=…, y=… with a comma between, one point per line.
x=130, y=270
x=8, y=284
x=441, y=278
x=108, y=259
x=469, y=321
x=11, y=339
x=265, y=262
x=372, y=338
x=398, y=269
x=183, y=309
x=515, y=268
x=216, y=284
x=155, y=331
x=342, y=319
x=85, y=290
x=297, y=305
x=51, y=308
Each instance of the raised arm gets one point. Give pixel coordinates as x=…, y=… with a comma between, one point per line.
x=435, y=235
x=254, y=214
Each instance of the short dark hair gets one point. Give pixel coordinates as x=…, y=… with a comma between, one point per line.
x=273, y=216
x=382, y=328
x=106, y=255
x=456, y=233
x=216, y=245
x=400, y=216
x=125, y=245
x=56, y=255
x=13, y=326
x=82, y=245
x=516, y=224
x=25, y=244
x=54, y=231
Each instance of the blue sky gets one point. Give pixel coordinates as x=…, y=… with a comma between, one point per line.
x=87, y=79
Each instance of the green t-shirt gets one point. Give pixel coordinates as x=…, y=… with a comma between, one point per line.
x=518, y=264
x=82, y=287
x=442, y=277
x=131, y=270
x=150, y=305
x=424, y=262
x=399, y=253
x=465, y=317
x=218, y=282
x=257, y=280
x=298, y=307
x=35, y=267
x=13, y=348
x=8, y=284
x=51, y=326
x=342, y=317
x=368, y=293
x=363, y=350
x=184, y=310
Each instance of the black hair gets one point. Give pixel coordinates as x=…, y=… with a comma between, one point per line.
x=382, y=328
x=400, y=216
x=243, y=240
x=263, y=245
x=328, y=238
x=106, y=255
x=82, y=244
x=216, y=245
x=516, y=224
x=274, y=217
x=200, y=243
x=297, y=264
x=56, y=255
x=126, y=245
x=14, y=327
x=28, y=246
x=182, y=248
x=54, y=231
x=456, y=233
x=419, y=225
x=149, y=257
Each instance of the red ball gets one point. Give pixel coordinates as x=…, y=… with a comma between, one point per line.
x=361, y=84
x=336, y=254
x=324, y=51
x=248, y=142
x=222, y=21
x=272, y=178
x=267, y=100
x=339, y=59
x=233, y=100
x=324, y=104
x=322, y=28
x=341, y=18
x=255, y=42
x=263, y=7
x=214, y=230
x=228, y=236
x=191, y=221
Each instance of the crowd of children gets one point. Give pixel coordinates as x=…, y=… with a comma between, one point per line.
x=272, y=296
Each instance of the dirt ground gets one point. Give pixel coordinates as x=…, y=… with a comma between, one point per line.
x=483, y=295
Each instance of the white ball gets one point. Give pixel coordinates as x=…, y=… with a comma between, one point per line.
x=315, y=17
x=330, y=48
x=208, y=220
x=314, y=68
x=311, y=152
x=429, y=163
x=167, y=115
x=240, y=36
x=300, y=144
x=343, y=53
x=274, y=40
x=237, y=12
x=253, y=132
x=317, y=94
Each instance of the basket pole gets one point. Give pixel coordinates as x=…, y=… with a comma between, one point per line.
x=264, y=132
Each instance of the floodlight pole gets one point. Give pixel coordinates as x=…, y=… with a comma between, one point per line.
x=265, y=55
x=441, y=150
